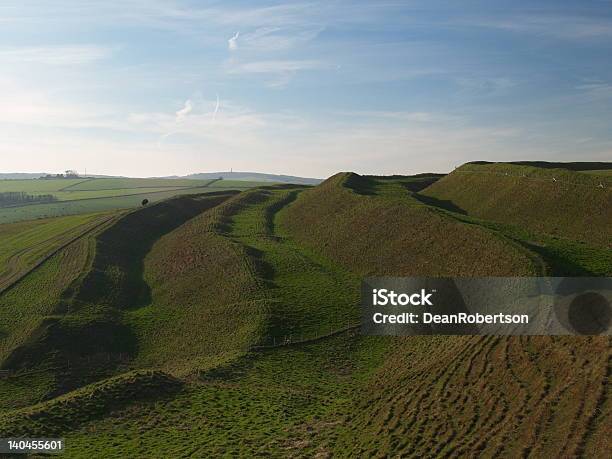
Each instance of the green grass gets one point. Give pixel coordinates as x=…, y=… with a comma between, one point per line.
x=181, y=328
x=23, y=310
x=605, y=172
x=25, y=244
x=562, y=256
x=195, y=287
x=128, y=183
x=69, y=195
x=37, y=186
x=554, y=202
x=298, y=280
x=375, y=227
x=107, y=309
x=259, y=405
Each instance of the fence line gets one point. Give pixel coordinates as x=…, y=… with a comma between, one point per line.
x=288, y=340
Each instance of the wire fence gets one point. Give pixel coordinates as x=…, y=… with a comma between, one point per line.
x=293, y=339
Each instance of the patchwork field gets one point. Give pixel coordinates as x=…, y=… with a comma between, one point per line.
x=225, y=324
x=78, y=196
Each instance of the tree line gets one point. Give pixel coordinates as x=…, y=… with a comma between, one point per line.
x=13, y=198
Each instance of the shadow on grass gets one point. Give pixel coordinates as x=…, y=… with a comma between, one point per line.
x=360, y=184
x=117, y=274
x=441, y=203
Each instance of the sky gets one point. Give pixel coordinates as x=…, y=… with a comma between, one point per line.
x=170, y=87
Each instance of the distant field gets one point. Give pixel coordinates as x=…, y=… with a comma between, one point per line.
x=72, y=195
x=238, y=184
x=33, y=186
x=123, y=183
x=81, y=196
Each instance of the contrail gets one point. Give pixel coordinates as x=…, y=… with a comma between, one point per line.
x=164, y=137
x=216, y=109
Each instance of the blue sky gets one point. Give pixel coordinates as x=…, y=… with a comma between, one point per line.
x=160, y=87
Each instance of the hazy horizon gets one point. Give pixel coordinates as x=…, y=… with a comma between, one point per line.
x=163, y=87
x=91, y=174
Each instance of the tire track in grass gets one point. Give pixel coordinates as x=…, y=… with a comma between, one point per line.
x=595, y=416
x=461, y=398
x=75, y=184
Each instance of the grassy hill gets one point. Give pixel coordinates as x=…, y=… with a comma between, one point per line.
x=374, y=227
x=557, y=202
x=225, y=325
x=94, y=311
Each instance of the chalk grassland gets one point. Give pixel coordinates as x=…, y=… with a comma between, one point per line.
x=482, y=396
x=205, y=304
x=458, y=396
x=556, y=202
x=295, y=379
x=120, y=320
x=374, y=227
x=26, y=244
x=255, y=406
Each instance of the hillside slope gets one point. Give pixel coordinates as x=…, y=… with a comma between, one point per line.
x=98, y=309
x=451, y=396
x=558, y=202
x=252, y=304
x=376, y=228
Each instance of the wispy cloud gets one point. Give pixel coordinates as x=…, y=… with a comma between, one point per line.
x=597, y=90
x=179, y=118
x=569, y=27
x=275, y=39
x=183, y=112
x=278, y=72
x=277, y=66
x=232, y=43
x=57, y=55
